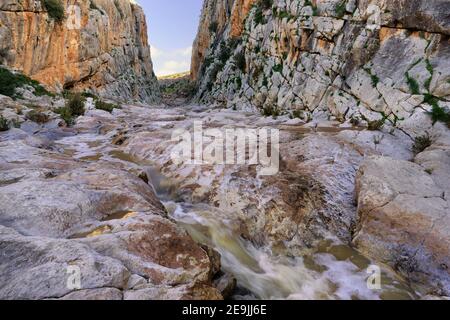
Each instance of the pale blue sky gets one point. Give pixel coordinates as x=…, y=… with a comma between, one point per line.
x=172, y=26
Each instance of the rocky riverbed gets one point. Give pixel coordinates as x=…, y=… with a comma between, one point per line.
x=106, y=197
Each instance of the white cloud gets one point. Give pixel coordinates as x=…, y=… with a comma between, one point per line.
x=168, y=62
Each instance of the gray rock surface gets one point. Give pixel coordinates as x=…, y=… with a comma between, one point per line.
x=362, y=61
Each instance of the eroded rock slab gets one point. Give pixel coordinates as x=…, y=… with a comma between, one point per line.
x=404, y=220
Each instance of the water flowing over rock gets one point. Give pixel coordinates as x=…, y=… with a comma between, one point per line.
x=63, y=208
x=101, y=46
x=362, y=61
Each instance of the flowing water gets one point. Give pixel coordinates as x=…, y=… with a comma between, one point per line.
x=333, y=271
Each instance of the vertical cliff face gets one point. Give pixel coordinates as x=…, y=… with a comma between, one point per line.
x=100, y=46
x=364, y=61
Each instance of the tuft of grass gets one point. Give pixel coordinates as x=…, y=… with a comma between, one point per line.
x=297, y=114
x=109, y=107
x=37, y=117
x=413, y=84
x=9, y=82
x=431, y=71
x=421, y=143
x=376, y=125
x=270, y=111
x=373, y=77
x=55, y=9
x=4, y=124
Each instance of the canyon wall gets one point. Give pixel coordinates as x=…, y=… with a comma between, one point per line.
x=360, y=61
x=100, y=46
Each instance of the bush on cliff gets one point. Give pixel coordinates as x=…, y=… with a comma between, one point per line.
x=55, y=9
x=9, y=82
x=76, y=105
x=73, y=109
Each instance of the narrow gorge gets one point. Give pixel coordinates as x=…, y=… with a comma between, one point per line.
x=93, y=205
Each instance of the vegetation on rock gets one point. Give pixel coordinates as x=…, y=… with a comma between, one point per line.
x=37, y=116
x=73, y=109
x=4, y=124
x=105, y=106
x=55, y=9
x=10, y=81
x=421, y=143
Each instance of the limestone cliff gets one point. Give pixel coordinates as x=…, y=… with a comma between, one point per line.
x=360, y=61
x=100, y=46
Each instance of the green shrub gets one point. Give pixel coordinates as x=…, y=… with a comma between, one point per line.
x=421, y=143
x=373, y=77
x=413, y=84
x=73, y=109
x=259, y=18
x=89, y=95
x=239, y=59
x=266, y=4
x=340, y=9
x=109, y=107
x=308, y=3
x=224, y=54
x=55, y=9
x=278, y=68
x=9, y=82
x=213, y=27
x=440, y=114
x=270, y=111
x=297, y=114
x=4, y=124
x=37, y=117
x=66, y=115
x=238, y=83
x=76, y=105
x=431, y=71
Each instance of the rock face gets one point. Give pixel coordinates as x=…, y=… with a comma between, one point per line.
x=347, y=60
x=403, y=210
x=101, y=46
x=66, y=213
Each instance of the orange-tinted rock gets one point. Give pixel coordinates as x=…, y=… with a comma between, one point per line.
x=104, y=50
